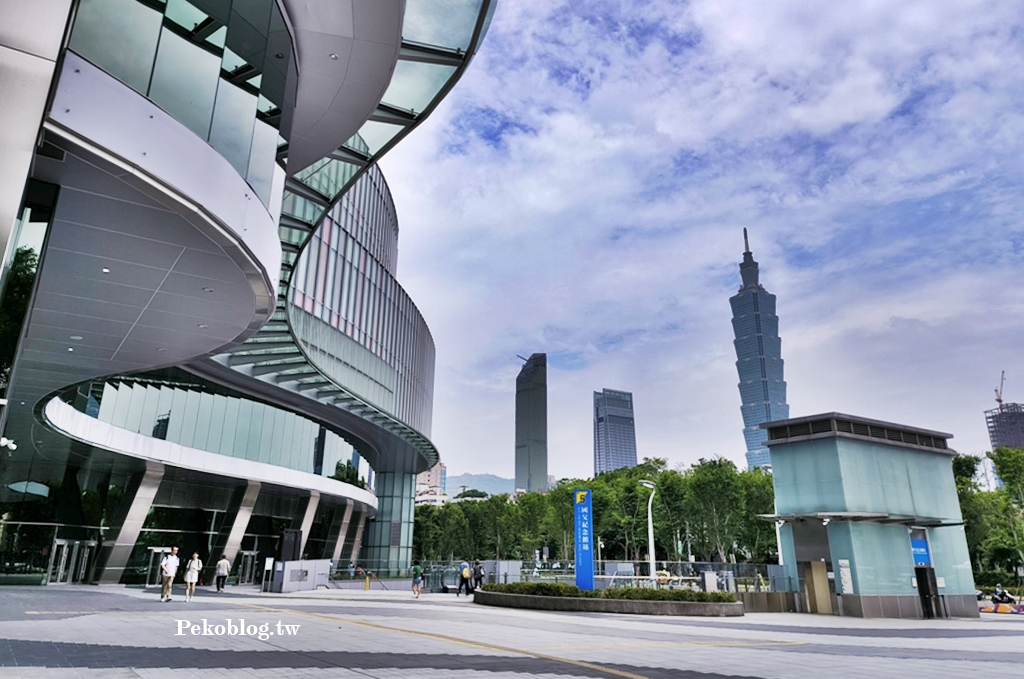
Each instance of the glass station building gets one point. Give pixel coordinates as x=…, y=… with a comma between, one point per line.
x=202, y=339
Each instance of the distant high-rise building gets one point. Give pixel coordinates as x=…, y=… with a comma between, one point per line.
x=1006, y=425
x=532, y=424
x=758, y=359
x=614, y=431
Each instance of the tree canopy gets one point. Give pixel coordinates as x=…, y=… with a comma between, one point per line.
x=710, y=508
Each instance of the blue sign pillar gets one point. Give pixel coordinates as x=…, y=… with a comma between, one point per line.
x=584, y=539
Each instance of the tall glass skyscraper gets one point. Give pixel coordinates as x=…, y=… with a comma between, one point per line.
x=758, y=359
x=532, y=424
x=614, y=431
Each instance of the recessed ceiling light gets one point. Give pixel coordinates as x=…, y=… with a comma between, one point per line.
x=279, y=55
x=203, y=325
x=71, y=348
x=207, y=289
x=334, y=56
x=76, y=337
x=161, y=349
x=106, y=270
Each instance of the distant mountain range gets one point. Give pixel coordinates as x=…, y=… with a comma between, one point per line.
x=488, y=483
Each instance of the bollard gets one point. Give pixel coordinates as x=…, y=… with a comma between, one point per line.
x=366, y=586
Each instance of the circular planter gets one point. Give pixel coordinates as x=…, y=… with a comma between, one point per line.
x=586, y=605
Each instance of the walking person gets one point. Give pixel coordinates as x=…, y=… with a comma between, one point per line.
x=192, y=571
x=223, y=568
x=168, y=569
x=478, y=575
x=417, y=579
x=465, y=579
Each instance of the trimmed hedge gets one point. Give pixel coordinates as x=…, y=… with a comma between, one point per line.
x=634, y=593
x=993, y=578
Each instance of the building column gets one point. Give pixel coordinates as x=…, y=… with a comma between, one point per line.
x=339, y=531
x=389, y=546
x=128, y=534
x=307, y=519
x=357, y=541
x=241, y=522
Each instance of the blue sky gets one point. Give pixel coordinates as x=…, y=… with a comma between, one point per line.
x=583, y=189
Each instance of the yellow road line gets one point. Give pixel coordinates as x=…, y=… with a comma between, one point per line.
x=671, y=644
x=456, y=640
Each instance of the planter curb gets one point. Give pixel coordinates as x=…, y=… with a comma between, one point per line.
x=587, y=605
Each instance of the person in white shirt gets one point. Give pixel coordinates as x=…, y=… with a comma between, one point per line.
x=168, y=569
x=192, y=576
x=223, y=568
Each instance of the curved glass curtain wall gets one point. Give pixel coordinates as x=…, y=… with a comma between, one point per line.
x=442, y=29
x=176, y=406
x=359, y=325
x=217, y=66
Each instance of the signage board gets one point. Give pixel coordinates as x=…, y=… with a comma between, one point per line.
x=583, y=514
x=845, y=576
x=919, y=548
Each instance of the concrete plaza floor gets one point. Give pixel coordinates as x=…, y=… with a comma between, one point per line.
x=69, y=632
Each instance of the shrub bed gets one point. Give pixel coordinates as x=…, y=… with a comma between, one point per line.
x=631, y=593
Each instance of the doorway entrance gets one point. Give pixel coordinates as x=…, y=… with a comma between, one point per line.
x=70, y=561
x=156, y=555
x=247, y=568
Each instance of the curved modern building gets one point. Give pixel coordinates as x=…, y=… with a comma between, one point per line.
x=202, y=339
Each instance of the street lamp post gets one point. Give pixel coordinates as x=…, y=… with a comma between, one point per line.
x=650, y=529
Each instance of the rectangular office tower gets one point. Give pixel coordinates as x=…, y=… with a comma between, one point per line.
x=1006, y=425
x=758, y=359
x=532, y=424
x=614, y=431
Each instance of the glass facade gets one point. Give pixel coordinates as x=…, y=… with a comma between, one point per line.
x=176, y=406
x=219, y=67
x=355, y=321
x=614, y=431
x=758, y=361
x=226, y=70
x=532, y=425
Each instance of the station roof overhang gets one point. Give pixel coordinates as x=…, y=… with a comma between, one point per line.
x=861, y=517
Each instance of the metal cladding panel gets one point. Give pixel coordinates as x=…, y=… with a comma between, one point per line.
x=30, y=39
x=347, y=50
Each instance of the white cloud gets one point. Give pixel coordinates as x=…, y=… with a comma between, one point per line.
x=581, y=192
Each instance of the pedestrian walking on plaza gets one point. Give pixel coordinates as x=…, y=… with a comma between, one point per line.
x=192, y=575
x=223, y=568
x=465, y=579
x=168, y=569
x=478, y=575
x=417, y=579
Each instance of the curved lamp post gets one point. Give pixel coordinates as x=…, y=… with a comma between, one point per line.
x=650, y=529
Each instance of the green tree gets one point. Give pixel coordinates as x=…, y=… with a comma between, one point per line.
x=1006, y=542
x=14, y=306
x=756, y=536
x=714, y=500
x=346, y=472
x=471, y=493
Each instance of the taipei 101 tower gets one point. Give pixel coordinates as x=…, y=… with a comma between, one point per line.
x=758, y=359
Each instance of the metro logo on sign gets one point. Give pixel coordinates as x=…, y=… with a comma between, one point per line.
x=584, y=551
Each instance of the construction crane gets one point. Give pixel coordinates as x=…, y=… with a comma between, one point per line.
x=999, y=391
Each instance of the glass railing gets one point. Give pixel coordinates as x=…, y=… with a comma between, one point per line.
x=176, y=406
x=218, y=67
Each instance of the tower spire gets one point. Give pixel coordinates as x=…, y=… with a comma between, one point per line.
x=746, y=243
